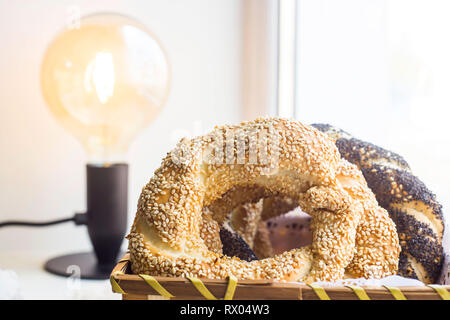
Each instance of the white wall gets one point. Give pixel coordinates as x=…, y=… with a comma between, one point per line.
x=379, y=69
x=42, y=166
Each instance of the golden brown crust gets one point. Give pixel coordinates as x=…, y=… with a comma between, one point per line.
x=412, y=206
x=299, y=162
x=376, y=237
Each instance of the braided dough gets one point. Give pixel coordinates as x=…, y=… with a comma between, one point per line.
x=169, y=237
x=376, y=248
x=411, y=205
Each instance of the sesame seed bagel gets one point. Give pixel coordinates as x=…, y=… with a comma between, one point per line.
x=168, y=237
x=377, y=247
x=412, y=206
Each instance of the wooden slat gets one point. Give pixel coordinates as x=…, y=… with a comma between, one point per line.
x=375, y=293
x=181, y=288
x=131, y=296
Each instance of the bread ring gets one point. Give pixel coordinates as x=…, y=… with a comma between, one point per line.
x=377, y=246
x=299, y=162
x=412, y=206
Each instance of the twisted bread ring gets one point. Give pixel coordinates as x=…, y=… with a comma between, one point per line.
x=411, y=205
x=300, y=162
x=376, y=248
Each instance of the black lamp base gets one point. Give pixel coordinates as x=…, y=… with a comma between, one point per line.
x=106, y=219
x=84, y=265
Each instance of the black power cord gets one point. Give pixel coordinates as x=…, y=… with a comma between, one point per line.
x=78, y=218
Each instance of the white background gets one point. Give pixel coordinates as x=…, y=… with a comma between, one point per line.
x=380, y=70
x=42, y=170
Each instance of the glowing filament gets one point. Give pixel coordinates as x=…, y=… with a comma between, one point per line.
x=101, y=73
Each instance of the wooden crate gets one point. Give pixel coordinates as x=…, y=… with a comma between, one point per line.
x=134, y=287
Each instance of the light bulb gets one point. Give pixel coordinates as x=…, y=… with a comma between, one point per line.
x=105, y=81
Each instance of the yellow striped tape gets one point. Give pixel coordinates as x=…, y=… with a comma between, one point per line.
x=396, y=293
x=156, y=286
x=231, y=288
x=360, y=292
x=198, y=284
x=441, y=291
x=320, y=292
x=114, y=285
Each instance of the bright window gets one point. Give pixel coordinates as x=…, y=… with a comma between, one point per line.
x=381, y=71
